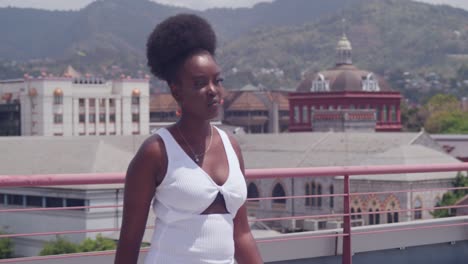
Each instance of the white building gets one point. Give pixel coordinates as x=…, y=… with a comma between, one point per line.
x=66, y=106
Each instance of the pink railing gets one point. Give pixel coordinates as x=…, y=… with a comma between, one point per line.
x=347, y=172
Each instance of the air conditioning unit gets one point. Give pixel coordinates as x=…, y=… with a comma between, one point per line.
x=292, y=224
x=310, y=225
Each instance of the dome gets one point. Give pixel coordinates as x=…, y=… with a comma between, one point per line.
x=344, y=78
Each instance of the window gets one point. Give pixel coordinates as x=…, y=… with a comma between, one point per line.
x=417, y=207
x=384, y=113
x=319, y=192
x=92, y=102
x=35, y=201
x=58, y=119
x=377, y=216
x=81, y=118
x=392, y=208
x=135, y=118
x=112, y=118
x=102, y=118
x=305, y=118
x=58, y=96
x=278, y=191
x=58, y=99
x=320, y=84
x=252, y=192
x=371, y=217
x=135, y=100
x=14, y=199
x=393, y=113
x=102, y=102
x=378, y=113
x=370, y=83
x=81, y=102
x=54, y=202
x=332, y=199
x=307, y=192
x=313, y=191
x=2, y=198
x=296, y=115
x=353, y=216
x=92, y=118
x=111, y=102
x=74, y=202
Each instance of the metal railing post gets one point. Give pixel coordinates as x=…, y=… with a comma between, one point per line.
x=347, y=255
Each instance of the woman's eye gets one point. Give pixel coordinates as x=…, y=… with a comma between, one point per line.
x=219, y=81
x=200, y=84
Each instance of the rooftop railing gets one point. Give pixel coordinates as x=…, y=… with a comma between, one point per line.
x=347, y=234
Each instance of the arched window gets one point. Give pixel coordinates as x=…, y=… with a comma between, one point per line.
x=392, y=206
x=359, y=216
x=58, y=96
x=136, y=97
x=373, y=205
x=389, y=217
x=353, y=216
x=371, y=217
x=307, y=192
x=278, y=191
x=252, y=191
x=332, y=198
x=370, y=83
x=320, y=84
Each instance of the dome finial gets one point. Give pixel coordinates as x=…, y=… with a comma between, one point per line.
x=344, y=48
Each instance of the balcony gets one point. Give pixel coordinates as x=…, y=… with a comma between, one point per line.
x=443, y=240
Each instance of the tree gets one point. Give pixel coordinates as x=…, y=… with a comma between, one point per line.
x=63, y=246
x=450, y=198
x=6, y=247
x=98, y=244
x=59, y=246
x=445, y=115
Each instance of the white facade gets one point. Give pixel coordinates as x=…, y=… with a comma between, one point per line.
x=52, y=106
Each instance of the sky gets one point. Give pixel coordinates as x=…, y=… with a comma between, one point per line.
x=195, y=4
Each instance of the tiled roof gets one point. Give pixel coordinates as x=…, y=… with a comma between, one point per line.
x=163, y=102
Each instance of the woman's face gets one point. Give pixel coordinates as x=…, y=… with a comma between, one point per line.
x=199, y=89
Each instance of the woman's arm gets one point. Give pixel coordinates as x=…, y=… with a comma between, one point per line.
x=246, y=251
x=140, y=186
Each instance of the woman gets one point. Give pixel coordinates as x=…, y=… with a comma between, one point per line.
x=193, y=170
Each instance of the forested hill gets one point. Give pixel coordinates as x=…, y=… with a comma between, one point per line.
x=271, y=44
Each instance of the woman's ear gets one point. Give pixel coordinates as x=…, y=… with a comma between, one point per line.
x=175, y=92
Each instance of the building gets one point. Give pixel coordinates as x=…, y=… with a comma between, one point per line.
x=344, y=98
x=112, y=154
x=77, y=106
x=257, y=111
x=454, y=145
x=319, y=149
x=252, y=109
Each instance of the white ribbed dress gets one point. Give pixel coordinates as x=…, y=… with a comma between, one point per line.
x=182, y=234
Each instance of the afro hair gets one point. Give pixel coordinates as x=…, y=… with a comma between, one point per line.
x=174, y=39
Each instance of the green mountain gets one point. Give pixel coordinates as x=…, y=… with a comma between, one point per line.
x=273, y=44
